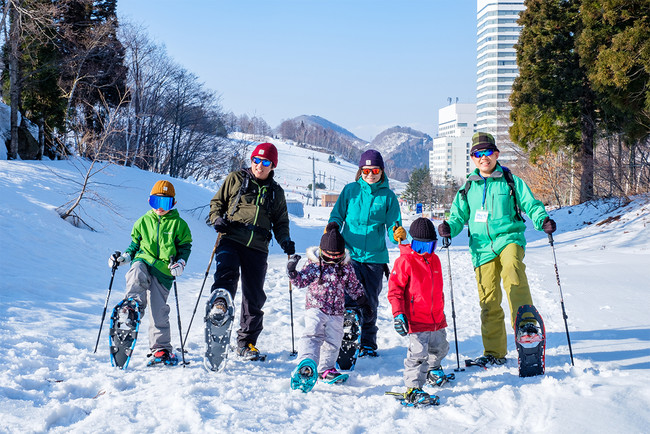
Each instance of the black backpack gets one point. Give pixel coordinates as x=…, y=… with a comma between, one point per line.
x=507, y=174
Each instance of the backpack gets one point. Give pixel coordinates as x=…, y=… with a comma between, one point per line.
x=507, y=174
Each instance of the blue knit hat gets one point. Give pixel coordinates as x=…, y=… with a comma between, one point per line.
x=371, y=158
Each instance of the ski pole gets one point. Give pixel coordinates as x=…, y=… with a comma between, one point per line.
x=564, y=315
x=446, y=242
x=293, y=352
x=207, y=272
x=178, y=315
x=110, y=285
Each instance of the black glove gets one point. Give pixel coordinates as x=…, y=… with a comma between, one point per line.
x=291, y=265
x=548, y=225
x=288, y=246
x=363, y=300
x=221, y=225
x=444, y=230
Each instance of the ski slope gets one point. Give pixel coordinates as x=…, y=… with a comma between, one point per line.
x=55, y=281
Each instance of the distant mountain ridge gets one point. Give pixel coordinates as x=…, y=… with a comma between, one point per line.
x=402, y=148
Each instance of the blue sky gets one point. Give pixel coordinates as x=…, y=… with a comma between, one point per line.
x=366, y=65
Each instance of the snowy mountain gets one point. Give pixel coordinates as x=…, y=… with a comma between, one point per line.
x=55, y=283
x=317, y=120
x=403, y=149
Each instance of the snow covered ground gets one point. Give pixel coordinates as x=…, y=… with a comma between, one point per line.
x=55, y=280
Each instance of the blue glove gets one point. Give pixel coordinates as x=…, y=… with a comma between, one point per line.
x=401, y=324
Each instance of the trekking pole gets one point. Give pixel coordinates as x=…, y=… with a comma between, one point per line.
x=446, y=242
x=207, y=272
x=564, y=315
x=293, y=352
x=110, y=285
x=178, y=315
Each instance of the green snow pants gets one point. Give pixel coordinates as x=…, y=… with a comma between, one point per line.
x=509, y=268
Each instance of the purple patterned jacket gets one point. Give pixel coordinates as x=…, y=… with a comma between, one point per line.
x=328, y=283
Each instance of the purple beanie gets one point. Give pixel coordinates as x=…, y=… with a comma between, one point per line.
x=371, y=158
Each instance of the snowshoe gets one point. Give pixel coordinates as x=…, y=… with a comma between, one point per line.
x=367, y=351
x=163, y=357
x=219, y=318
x=304, y=376
x=530, y=340
x=332, y=376
x=485, y=361
x=351, y=341
x=437, y=377
x=415, y=397
x=125, y=322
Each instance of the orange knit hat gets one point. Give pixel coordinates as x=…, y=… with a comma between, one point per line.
x=163, y=188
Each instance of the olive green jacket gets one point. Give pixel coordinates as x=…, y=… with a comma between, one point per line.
x=259, y=211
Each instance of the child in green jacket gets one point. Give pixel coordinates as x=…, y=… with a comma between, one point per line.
x=160, y=246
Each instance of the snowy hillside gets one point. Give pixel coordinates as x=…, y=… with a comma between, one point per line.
x=55, y=281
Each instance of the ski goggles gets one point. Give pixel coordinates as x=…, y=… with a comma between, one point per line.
x=258, y=160
x=161, y=202
x=375, y=171
x=332, y=257
x=483, y=153
x=423, y=247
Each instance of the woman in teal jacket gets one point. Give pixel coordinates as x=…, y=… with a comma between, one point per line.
x=366, y=211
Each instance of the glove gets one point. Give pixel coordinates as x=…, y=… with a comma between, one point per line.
x=288, y=246
x=399, y=233
x=177, y=268
x=221, y=225
x=362, y=300
x=549, y=225
x=291, y=265
x=401, y=324
x=121, y=259
x=444, y=230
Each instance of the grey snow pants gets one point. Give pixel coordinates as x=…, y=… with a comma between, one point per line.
x=426, y=351
x=321, y=339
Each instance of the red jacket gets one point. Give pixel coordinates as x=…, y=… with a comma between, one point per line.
x=415, y=290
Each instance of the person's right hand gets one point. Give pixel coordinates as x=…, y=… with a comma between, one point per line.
x=401, y=324
x=221, y=225
x=444, y=230
x=118, y=258
x=293, y=262
x=399, y=233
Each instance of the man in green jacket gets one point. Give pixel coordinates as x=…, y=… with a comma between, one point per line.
x=248, y=208
x=156, y=237
x=496, y=241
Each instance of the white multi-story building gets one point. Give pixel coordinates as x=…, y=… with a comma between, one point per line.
x=496, y=33
x=449, y=157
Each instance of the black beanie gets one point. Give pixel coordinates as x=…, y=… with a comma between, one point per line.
x=422, y=230
x=332, y=241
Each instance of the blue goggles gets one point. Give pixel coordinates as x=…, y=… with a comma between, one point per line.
x=423, y=247
x=258, y=160
x=161, y=202
x=483, y=153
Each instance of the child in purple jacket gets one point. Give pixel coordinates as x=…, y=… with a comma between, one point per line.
x=329, y=276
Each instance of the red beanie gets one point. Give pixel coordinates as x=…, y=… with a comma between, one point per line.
x=268, y=151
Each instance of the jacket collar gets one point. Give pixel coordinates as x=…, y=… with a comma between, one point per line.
x=476, y=175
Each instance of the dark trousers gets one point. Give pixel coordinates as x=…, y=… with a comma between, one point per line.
x=370, y=276
x=231, y=257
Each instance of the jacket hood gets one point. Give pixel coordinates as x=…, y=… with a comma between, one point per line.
x=313, y=255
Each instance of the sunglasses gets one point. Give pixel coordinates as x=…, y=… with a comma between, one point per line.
x=161, y=202
x=258, y=160
x=375, y=171
x=483, y=153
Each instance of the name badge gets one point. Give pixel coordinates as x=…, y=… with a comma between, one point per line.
x=481, y=216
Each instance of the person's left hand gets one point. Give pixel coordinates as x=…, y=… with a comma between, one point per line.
x=399, y=233
x=549, y=225
x=177, y=268
x=288, y=246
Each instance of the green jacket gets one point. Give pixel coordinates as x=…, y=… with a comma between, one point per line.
x=155, y=238
x=488, y=238
x=366, y=213
x=260, y=209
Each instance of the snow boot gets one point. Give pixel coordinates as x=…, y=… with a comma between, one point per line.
x=332, y=376
x=163, y=357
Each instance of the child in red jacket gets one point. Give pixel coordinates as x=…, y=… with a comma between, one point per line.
x=416, y=297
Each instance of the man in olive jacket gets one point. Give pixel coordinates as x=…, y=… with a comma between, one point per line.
x=247, y=210
x=489, y=203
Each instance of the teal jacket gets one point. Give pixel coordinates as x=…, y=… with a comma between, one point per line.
x=488, y=238
x=366, y=213
x=154, y=239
